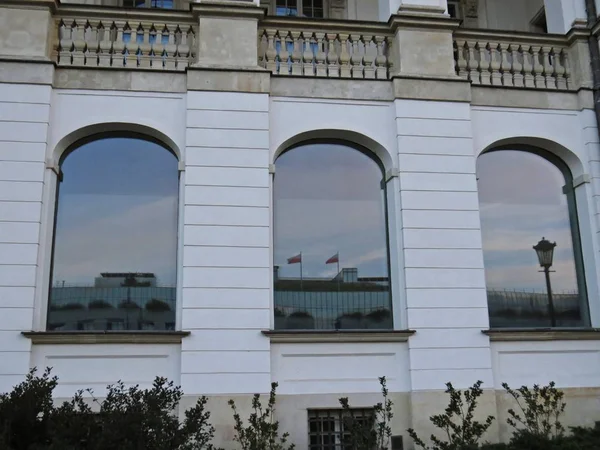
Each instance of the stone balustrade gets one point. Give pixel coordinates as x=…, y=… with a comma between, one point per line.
x=514, y=60
x=152, y=40
x=303, y=47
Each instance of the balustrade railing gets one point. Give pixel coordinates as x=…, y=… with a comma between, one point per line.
x=148, y=42
x=522, y=61
x=324, y=49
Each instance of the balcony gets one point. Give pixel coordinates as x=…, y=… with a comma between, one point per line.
x=148, y=39
x=411, y=44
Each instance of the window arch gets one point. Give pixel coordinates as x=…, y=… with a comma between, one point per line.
x=525, y=195
x=115, y=236
x=331, y=250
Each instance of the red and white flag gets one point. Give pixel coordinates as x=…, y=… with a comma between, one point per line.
x=295, y=259
x=334, y=259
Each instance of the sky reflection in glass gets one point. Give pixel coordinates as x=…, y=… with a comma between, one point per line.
x=328, y=200
x=521, y=200
x=117, y=212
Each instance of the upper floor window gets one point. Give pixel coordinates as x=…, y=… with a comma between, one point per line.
x=115, y=239
x=526, y=201
x=301, y=8
x=165, y=4
x=331, y=250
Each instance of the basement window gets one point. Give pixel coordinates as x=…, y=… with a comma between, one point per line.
x=329, y=429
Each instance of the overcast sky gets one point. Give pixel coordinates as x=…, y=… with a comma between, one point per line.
x=521, y=201
x=117, y=212
x=328, y=199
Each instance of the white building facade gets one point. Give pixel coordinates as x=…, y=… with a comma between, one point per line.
x=204, y=259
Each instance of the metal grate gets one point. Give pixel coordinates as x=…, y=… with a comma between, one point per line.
x=328, y=428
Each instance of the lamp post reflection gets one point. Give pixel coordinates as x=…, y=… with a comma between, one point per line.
x=545, y=254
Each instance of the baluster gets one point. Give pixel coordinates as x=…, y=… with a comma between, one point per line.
x=104, y=46
x=65, y=52
x=549, y=67
x=484, y=64
x=153, y=38
x=472, y=63
x=271, y=52
x=79, y=46
x=321, y=56
x=528, y=78
x=296, y=56
x=333, y=57
x=171, y=48
x=495, y=64
x=284, y=54
x=381, y=61
x=356, y=57
x=505, y=66
x=461, y=57
x=538, y=68
x=143, y=46
x=192, y=45
x=308, y=56
x=185, y=49
x=369, y=55
x=344, y=56
x=559, y=69
x=180, y=56
x=567, y=66
x=517, y=65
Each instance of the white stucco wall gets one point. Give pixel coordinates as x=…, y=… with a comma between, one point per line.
x=24, y=117
x=227, y=142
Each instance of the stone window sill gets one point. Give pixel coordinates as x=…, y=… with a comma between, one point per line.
x=542, y=334
x=105, y=337
x=328, y=336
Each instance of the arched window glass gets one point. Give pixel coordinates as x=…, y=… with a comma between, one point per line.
x=525, y=197
x=331, y=251
x=115, y=243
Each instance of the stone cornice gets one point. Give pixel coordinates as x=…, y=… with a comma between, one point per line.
x=517, y=37
x=422, y=22
x=104, y=337
x=333, y=336
x=228, y=9
x=52, y=4
x=112, y=13
x=328, y=26
x=543, y=334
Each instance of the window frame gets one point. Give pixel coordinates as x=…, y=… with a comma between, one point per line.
x=43, y=320
x=337, y=416
x=569, y=190
x=177, y=4
x=396, y=287
x=272, y=7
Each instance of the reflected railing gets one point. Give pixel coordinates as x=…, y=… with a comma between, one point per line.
x=522, y=308
x=89, y=308
x=331, y=305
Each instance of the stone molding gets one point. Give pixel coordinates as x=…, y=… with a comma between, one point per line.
x=511, y=97
x=453, y=89
x=342, y=336
x=250, y=80
x=104, y=337
x=543, y=334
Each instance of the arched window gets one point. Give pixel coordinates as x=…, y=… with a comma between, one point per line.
x=331, y=250
x=115, y=240
x=526, y=197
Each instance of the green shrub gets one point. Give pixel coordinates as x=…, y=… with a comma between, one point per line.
x=371, y=432
x=262, y=432
x=128, y=419
x=539, y=411
x=457, y=422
